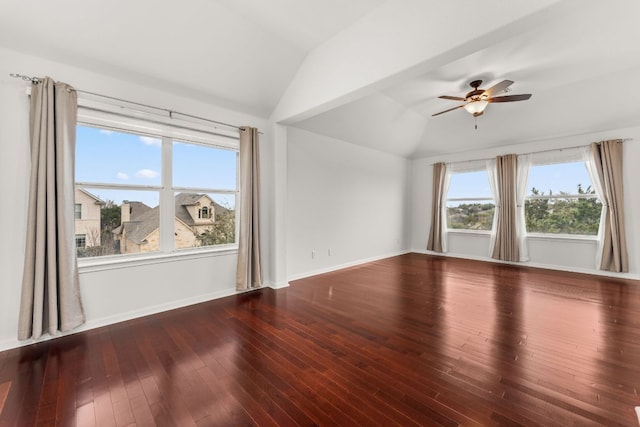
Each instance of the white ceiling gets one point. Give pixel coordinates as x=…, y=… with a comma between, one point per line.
x=580, y=67
x=240, y=54
x=579, y=60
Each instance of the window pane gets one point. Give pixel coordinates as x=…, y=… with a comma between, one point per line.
x=470, y=215
x=105, y=156
x=559, y=178
x=469, y=185
x=204, y=219
x=117, y=222
x=198, y=166
x=563, y=216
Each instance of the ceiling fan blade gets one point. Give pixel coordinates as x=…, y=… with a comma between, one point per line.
x=510, y=98
x=497, y=88
x=446, y=111
x=453, y=98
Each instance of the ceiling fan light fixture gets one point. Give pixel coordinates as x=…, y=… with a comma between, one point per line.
x=476, y=107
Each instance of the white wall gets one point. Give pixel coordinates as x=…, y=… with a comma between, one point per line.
x=342, y=198
x=113, y=294
x=572, y=255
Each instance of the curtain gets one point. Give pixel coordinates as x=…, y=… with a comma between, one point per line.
x=249, y=269
x=438, y=228
x=505, y=246
x=607, y=158
x=493, y=183
x=592, y=168
x=50, y=300
x=523, y=163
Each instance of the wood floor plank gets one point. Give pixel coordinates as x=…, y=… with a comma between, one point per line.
x=409, y=340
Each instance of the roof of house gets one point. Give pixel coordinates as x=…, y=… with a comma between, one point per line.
x=137, y=208
x=144, y=222
x=97, y=199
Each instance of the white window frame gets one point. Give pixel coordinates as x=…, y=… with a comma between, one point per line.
x=572, y=155
x=168, y=130
x=466, y=167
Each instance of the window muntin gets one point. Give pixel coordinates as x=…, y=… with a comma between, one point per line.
x=470, y=204
x=138, y=185
x=561, y=200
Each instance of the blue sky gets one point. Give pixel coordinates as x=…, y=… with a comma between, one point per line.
x=556, y=177
x=110, y=157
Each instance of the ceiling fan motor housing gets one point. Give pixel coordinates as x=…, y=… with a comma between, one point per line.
x=476, y=93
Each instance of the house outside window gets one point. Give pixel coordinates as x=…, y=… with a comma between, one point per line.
x=561, y=199
x=161, y=193
x=77, y=211
x=470, y=203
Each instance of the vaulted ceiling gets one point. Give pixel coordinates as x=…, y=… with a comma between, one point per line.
x=365, y=71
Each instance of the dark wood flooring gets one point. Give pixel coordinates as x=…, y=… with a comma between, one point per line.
x=413, y=340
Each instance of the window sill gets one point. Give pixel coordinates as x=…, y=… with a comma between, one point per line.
x=469, y=232
x=124, y=261
x=531, y=236
x=563, y=237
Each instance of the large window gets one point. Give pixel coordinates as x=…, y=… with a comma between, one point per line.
x=156, y=191
x=561, y=200
x=470, y=204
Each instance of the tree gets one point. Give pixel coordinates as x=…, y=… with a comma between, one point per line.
x=566, y=214
x=222, y=231
x=109, y=216
x=471, y=216
x=570, y=215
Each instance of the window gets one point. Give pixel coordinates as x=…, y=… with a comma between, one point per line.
x=158, y=193
x=561, y=200
x=470, y=204
x=78, y=211
x=204, y=213
x=81, y=241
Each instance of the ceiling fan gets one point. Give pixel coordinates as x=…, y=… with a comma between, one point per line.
x=478, y=99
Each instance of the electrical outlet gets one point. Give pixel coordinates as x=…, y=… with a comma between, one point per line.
x=313, y=254
x=329, y=251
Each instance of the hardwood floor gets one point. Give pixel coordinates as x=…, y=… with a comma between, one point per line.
x=413, y=340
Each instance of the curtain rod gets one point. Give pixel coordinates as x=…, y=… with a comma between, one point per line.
x=537, y=152
x=36, y=80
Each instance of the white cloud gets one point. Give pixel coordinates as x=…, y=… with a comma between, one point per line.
x=106, y=131
x=147, y=140
x=147, y=173
x=123, y=176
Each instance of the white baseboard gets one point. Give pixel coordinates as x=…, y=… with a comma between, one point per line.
x=569, y=269
x=121, y=317
x=345, y=265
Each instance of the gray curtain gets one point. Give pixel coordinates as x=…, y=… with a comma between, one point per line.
x=50, y=300
x=249, y=270
x=436, y=240
x=506, y=245
x=608, y=162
